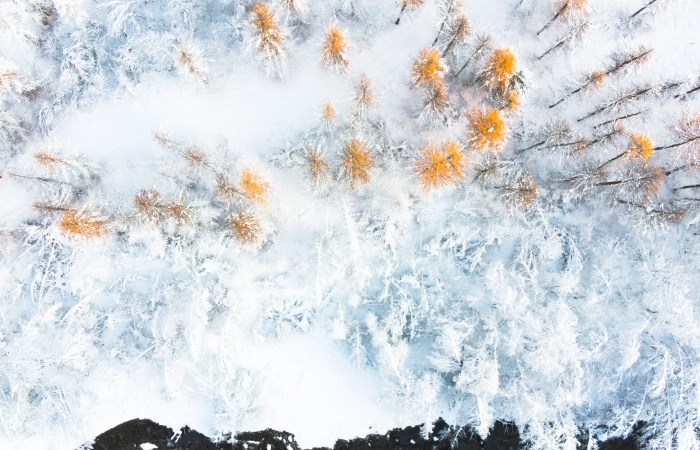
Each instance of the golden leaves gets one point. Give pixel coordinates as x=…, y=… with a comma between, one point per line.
x=440, y=165
x=500, y=69
x=356, y=162
x=253, y=187
x=486, y=129
x=245, y=227
x=640, y=146
x=428, y=67
x=82, y=224
x=335, y=49
x=268, y=33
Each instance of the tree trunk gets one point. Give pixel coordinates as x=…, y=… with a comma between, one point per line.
x=618, y=118
x=627, y=62
x=553, y=19
x=476, y=52
x=632, y=96
x=643, y=8
x=398, y=19
x=690, y=186
x=678, y=144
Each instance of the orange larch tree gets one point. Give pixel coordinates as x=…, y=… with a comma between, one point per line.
x=500, y=69
x=356, y=161
x=268, y=37
x=486, y=129
x=640, y=147
x=328, y=113
x=511, y=101
x=335, y=49
x=253, y=187
x=441, y=165
x=82, y=224
x=245, y=226
x=428, y=68
x=317, y=168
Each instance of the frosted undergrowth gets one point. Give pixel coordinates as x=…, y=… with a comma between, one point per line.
x=184, y=236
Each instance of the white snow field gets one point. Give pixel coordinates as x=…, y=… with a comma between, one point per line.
x=553, y=281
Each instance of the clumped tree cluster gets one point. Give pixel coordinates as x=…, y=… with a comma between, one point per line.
x=235, y=203
x=63, y=181
x=341, y=148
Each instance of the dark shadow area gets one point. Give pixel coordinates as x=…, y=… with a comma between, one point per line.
x=503, y=436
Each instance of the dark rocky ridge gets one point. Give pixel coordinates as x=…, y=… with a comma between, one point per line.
x=504, y=436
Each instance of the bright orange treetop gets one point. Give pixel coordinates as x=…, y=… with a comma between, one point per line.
x=335, y=49
x=486, y=129
x=82, y=224
x=428, y=67
x=439, y=166
x=253, y=186
x=268, y=31
x=500, y=68
x=356, y=161
x=640, y=146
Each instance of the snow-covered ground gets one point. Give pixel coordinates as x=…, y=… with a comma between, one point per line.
x=356, y=309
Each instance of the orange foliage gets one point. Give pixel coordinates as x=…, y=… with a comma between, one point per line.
x=245, y=227
x=269, y=35
x=49, y=160
x=253, y=187
x=335, y=49
x=413, y=4
x=178, y=211
x=500, y=68
x=356, y=161
x=486, y=129
x=195, y=157
x=574, y=6
x=512, y=100
x=317, y=167
x=597, y=78
x=522, y=193
x=149, y=204
x=187, y=59
x=82, y=224
x=428, y=67
x=328, y=112
x=439, y=166
x=640, y=146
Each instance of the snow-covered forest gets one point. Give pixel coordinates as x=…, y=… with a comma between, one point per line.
x=327, y=216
